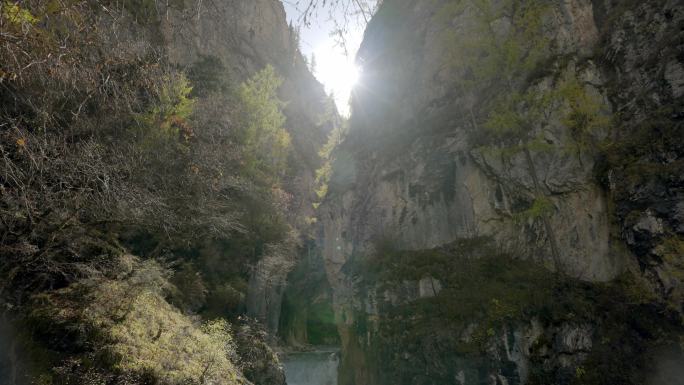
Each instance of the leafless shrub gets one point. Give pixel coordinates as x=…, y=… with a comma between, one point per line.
x=73, y=169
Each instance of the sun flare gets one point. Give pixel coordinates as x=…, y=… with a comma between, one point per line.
x=338, y=73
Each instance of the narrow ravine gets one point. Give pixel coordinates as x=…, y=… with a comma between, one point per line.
x=342, y=192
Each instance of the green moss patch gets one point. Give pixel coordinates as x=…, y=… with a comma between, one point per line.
x=487, y=293
x=127, y=327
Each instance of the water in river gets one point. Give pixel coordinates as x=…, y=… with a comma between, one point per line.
x=318, y=367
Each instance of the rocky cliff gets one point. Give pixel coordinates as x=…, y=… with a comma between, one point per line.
x=498, y=150
x=247, y=36
x=184, y=132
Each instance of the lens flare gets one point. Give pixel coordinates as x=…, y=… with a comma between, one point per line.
x=338, y=73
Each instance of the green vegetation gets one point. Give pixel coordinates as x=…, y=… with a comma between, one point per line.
x=479, y=283
x=633, y=159
x=131, y=329
x=107, y=151
x=506, y=41
x=486, y=294
x=259, y=362
x=209, y=76
x=266, y=142
x=586, y=111
x=639, y=169
x=498, y=56
x=305, y=320
x=17, y=15
x=540, y=208
x=326, y=153
x=672, y=250
x=167, y=118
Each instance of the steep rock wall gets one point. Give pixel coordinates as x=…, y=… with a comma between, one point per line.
x=416, y=172
x=246, y=36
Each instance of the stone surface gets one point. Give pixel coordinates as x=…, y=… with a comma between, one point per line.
x=247, y=36
x=408, y=174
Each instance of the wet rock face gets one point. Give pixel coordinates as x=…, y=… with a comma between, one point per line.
x=410, y=172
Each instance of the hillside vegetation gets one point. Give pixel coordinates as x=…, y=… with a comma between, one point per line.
x=108, y=150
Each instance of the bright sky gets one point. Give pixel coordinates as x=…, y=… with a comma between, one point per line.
x=334, y=68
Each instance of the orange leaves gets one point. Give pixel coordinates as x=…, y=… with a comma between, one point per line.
x=179, y=123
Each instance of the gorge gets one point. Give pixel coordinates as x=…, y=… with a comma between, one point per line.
x=181, y=202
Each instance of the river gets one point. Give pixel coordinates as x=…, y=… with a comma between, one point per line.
x=317, y=367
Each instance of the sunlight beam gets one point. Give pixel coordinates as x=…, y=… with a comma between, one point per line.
x=338, y=73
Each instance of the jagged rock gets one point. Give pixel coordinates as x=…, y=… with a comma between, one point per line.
x=410, y=173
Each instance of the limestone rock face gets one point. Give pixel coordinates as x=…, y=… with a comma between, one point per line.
x=412, y=173
x=416, y=178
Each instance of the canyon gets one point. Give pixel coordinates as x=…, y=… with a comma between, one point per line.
x=181, y=202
